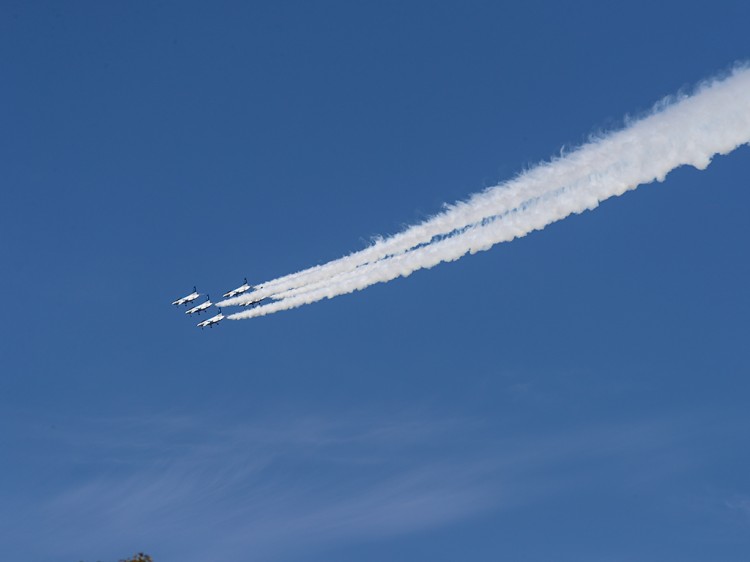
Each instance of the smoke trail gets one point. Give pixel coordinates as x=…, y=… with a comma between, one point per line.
x=491, y=202
x=691, y=131
x=510, y=222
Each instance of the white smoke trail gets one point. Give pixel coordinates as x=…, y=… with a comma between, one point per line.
x=491, y=202
x=691, y=131
x=509, y=220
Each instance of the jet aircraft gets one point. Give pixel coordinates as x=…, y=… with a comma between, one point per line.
x=201, y=307
x=254, y=302
x=190, y=298
x=211, y=321
x=238, y=291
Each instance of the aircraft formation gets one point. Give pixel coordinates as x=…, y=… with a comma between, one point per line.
x=199, y=308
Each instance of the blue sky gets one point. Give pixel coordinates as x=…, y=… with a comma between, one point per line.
x=579, y=394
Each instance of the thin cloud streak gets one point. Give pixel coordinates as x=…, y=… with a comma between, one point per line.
x=248, y=489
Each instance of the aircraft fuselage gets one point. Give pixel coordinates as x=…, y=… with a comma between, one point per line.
x=184, y=300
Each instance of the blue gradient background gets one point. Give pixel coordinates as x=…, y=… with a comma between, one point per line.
x=580, y=394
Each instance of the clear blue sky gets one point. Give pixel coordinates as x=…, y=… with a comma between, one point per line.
x=577, y=395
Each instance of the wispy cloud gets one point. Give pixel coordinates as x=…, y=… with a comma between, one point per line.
x=192, y=489
x=739, y=503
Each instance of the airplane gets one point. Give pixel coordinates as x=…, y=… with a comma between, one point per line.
x=256, y=301
x=190, y=298
x=211, y=321
x=238, y=291
x=201, y=307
